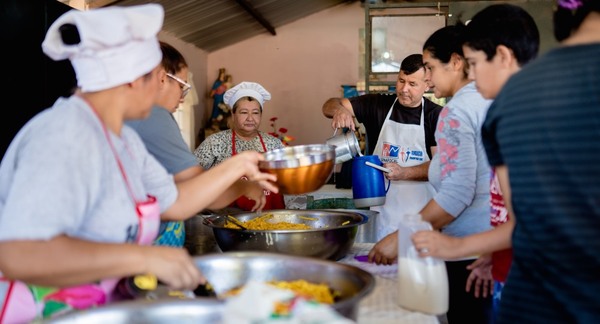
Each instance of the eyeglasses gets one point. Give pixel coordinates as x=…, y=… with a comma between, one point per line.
x=184, y=86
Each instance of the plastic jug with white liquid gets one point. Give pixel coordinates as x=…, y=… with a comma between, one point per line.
x=422, y=281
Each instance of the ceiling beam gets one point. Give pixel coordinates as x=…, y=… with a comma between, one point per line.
x=99, y=3
x=250, y=9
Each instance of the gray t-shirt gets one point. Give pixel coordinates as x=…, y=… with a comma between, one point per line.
x=459, y=171
x=163, y=139
x=60, y=176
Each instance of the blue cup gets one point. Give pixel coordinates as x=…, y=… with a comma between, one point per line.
x=368, y=186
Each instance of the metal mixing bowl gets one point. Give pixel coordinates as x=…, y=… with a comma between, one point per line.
x=331, y=237
x=301, y=168
x=229, y=270
x=184, y=311
x=226, y=271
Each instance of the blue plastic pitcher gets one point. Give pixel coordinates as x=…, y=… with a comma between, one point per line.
x=368, y=186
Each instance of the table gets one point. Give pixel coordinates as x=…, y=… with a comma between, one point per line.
x=343, y=197
x=380, y=306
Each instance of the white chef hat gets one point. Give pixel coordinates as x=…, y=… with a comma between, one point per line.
x=115, y=45
x=246, y=89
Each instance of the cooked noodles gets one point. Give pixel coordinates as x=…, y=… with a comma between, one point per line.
x=311, y=291
x=265, y=223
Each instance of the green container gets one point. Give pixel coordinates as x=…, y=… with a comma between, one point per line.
x=329, y=203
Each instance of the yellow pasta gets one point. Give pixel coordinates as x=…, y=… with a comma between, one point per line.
x=263, y=223
x=311, y=291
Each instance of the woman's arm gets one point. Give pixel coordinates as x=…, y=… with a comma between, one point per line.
x=250, y=189
x=436, y=215
x=436, y=244
x=216, y=183
x=439, y=245
x=65, y=261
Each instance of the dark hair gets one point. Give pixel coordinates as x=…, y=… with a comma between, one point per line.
x=412, y=64
x=446, y=41
x=504, y=24
x=172, y=60
x=569, y=14
x=247, y=98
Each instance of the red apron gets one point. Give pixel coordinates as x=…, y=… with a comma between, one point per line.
x=274, y=200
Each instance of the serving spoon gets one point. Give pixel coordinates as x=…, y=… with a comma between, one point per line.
x=236, y=222
x=378, y=167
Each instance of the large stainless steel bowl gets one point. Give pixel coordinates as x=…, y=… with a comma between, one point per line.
x=163, y=311
x=332, y=234
x=301, y=168
x=226, y=271
x=229, y=270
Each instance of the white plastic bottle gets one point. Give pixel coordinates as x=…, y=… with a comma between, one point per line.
x=422, y=282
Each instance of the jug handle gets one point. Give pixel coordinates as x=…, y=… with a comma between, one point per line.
x=388, y=186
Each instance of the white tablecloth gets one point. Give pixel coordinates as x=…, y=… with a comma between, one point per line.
x=380, y=306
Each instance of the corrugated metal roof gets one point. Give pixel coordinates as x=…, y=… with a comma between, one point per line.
x=214, y=24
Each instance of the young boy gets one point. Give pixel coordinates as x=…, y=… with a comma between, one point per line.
x=543, y=128
x=499, y=40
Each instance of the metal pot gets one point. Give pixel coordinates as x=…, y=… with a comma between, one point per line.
x=346, y=145
x=229, y=270
x=331, y=237
x=367, y=232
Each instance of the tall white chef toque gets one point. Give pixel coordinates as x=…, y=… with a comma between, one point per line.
x=107, y=46
x=246, y=89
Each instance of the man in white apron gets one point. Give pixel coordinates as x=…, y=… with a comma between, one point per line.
x=400, y=129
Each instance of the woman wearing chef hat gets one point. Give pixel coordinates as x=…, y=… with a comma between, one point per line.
x=81, y=204
x=246, y=101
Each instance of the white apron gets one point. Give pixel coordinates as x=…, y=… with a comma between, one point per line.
x=403, y=144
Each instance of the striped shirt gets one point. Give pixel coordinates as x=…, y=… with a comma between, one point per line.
x=545, y=127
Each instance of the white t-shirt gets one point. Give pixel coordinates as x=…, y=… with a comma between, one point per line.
x=60, y=176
